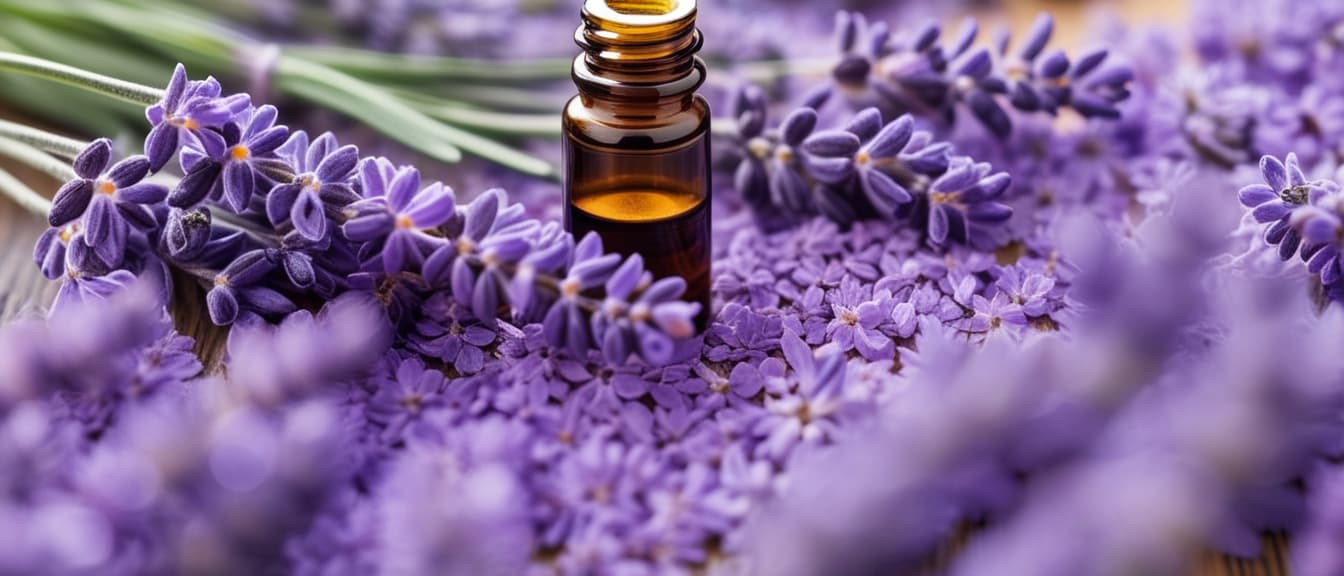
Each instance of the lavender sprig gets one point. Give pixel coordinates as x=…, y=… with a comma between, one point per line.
x=915, y=74
x=868, y=169
x=270, y=221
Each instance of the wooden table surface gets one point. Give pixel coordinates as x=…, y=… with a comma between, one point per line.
x=22, y=287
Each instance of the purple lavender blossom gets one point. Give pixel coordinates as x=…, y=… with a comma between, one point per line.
x=964, y=200
x=232, y=169
x=254, y=217
x=452, y=335
x=189, y=108
x=858, y=316
x=396, y=213
x=805, y=410
x=1284, y=191
x=322, y=182
x=402, y=396
x=108, y=200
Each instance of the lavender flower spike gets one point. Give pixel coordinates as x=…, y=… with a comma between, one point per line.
x=915, y=74
x=869, y=168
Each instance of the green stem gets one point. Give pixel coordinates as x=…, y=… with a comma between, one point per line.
x=232, y=222
x=500, y=98
x=22, y=195
x=379, y=65
x=326, y=87
x=41, y=139
x=115, y=88
x=487, y=122
x=35, y=158
x=76, y=43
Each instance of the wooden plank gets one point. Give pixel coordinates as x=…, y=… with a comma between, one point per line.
x=21, y=283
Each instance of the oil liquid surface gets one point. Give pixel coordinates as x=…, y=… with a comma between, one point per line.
x=670, y=229
x=637, y=205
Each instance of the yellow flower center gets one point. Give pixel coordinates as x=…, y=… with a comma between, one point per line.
x=570, y=288
x=490, y=258
x=640, y=313
x=405, y=222
x=240, y=152
x=759, y=147
x=106, y=187
x=944, y=197
x=465, y=245
x=68, y=232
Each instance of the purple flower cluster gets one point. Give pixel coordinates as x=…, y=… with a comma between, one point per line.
x=1077, y=436
x=270, y=219
x=867, y=169
x=916, y=74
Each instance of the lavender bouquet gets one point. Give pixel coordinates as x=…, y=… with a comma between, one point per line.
x=1088, y=302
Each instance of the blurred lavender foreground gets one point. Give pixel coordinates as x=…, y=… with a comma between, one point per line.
x=313, y=313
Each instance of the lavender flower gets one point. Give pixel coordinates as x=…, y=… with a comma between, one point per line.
x=858, y=315
x=1319, y=226
x=649, y=323
x=452, y=336
x=50, y=252
x=321, y=185
x=805, y=410
x=1285, y=189
x=963, y=201
x=232, y=168
x=402, y=396
x=397, y=214
x=108, y=200
x=189, y=108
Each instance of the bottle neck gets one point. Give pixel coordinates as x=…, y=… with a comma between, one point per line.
x=639, y=52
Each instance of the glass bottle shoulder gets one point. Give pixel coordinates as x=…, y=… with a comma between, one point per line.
x=633, y=125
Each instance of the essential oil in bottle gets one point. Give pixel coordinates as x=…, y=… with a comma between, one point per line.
x=637, y=139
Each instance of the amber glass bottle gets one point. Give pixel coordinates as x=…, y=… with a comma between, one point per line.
x=637, y=138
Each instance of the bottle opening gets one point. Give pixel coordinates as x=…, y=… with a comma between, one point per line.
x=643, y=7
x=640, y=13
